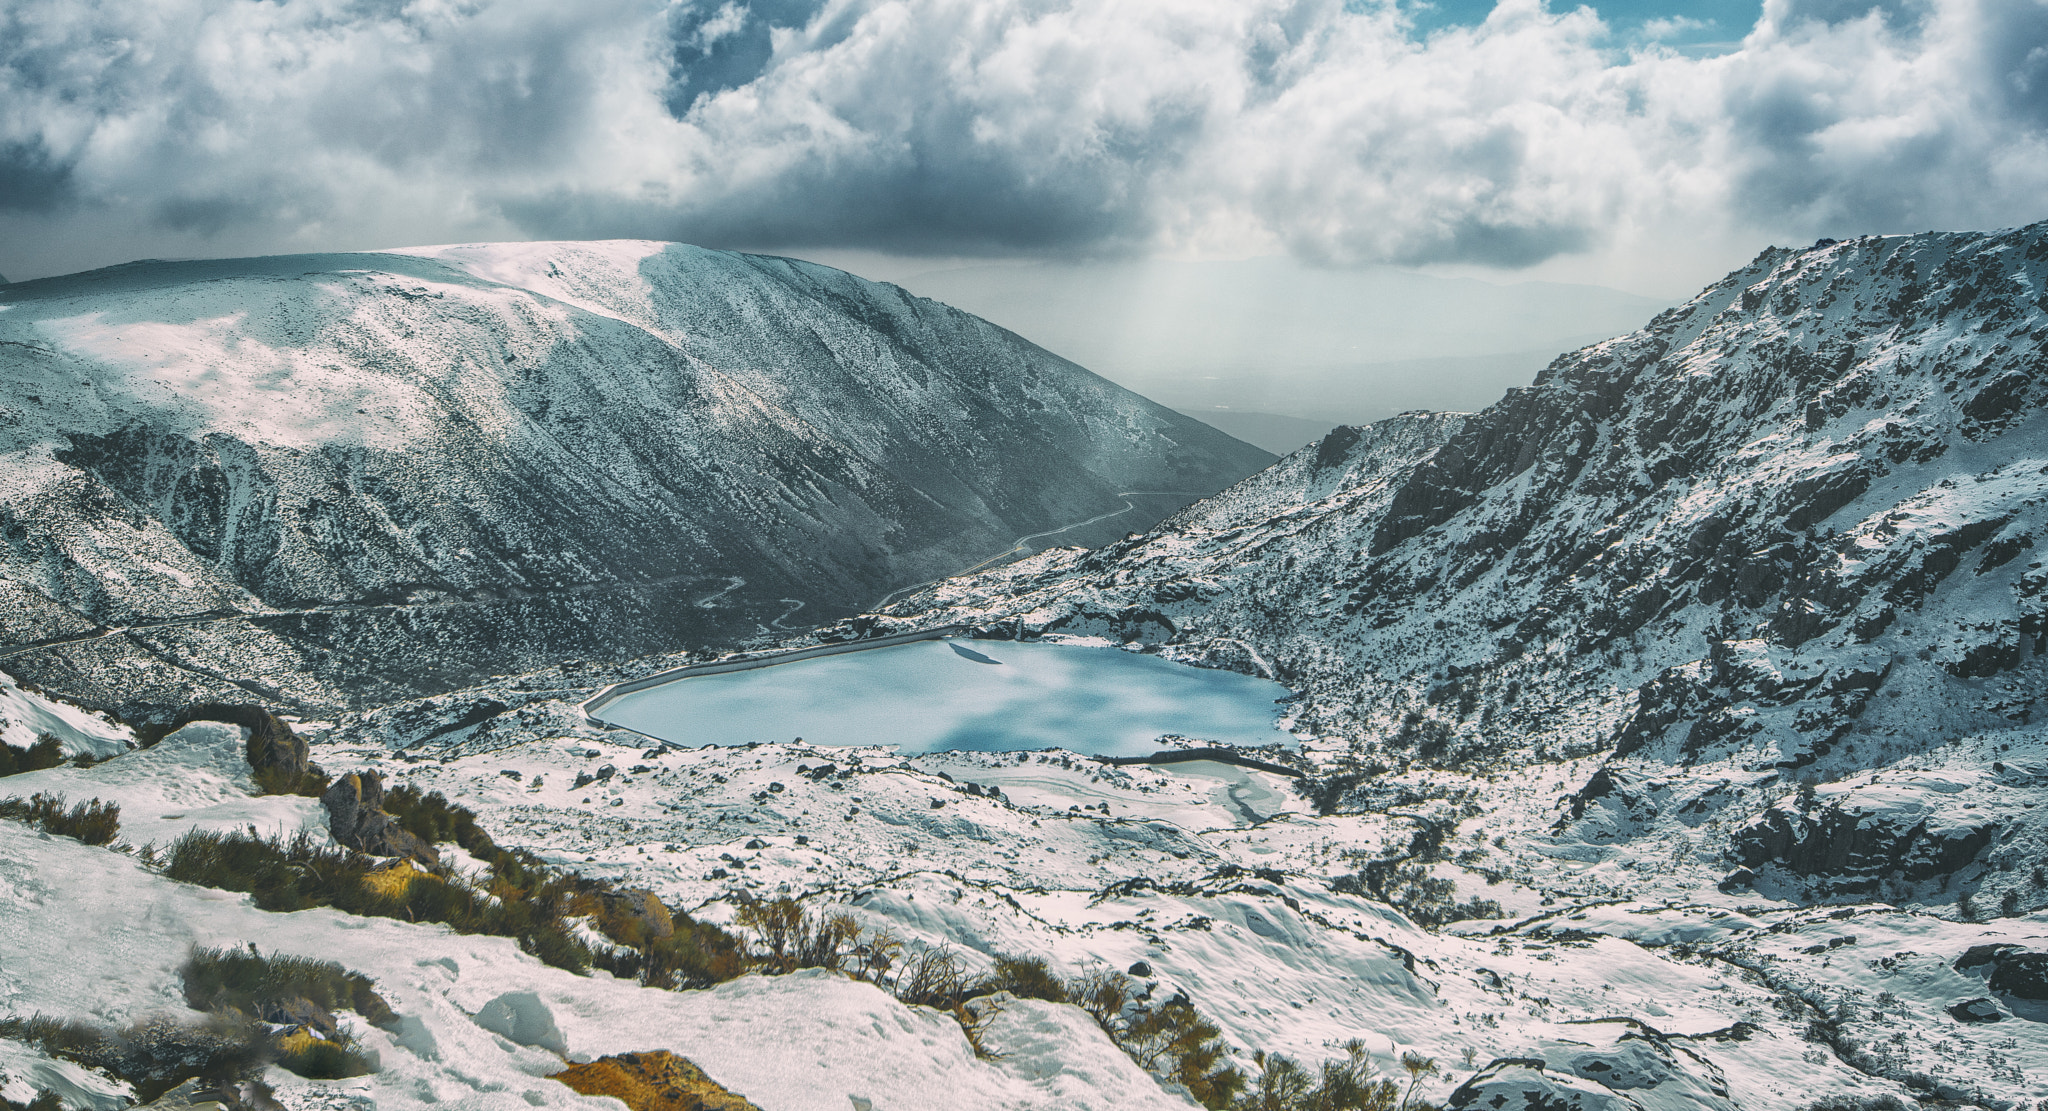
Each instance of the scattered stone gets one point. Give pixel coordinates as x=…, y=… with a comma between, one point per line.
x=1141, y=969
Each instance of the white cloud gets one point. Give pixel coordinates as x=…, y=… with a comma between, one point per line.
x=1003, y=126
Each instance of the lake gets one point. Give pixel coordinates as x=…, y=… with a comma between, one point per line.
x=978, y=695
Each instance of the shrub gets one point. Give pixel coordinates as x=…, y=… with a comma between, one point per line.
x=1175, y=1040
x=790, y=937
x=433, y=819
x=244, y=981
x=46, y=752
x=93, y=822
x=1346, y=1084
x=932, y=978
x=1027, y=978
x=697, y=955
x=320, y=1059
x=297, y=874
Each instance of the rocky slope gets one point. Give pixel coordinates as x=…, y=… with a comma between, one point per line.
x=1786, y=533
x=335, y=480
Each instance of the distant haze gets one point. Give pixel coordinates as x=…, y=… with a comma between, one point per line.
x=1275, y=352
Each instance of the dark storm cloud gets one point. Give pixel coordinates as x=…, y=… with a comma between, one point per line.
x=30, y=180
x=1333, y=130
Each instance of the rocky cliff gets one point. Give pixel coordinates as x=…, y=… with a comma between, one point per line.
x=338, y=479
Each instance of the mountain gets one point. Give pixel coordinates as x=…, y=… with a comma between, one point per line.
x=334, y=480
x=1732, y=535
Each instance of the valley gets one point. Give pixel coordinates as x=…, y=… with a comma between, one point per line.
x=1661, y=736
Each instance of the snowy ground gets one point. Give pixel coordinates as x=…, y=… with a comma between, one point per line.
x=1214, y=876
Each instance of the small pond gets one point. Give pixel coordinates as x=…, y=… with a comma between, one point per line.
x=937, y=695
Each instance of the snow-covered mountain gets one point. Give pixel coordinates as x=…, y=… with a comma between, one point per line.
x=333, y=480
x=1787, y=530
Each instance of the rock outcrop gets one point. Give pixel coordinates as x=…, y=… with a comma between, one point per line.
x=1854, y=842
x=356, y=819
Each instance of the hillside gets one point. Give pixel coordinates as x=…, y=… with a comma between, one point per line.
x=1666, y=727
x=336, y=480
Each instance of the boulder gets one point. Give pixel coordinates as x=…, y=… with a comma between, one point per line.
x=1980, y=1009
x=2021, y=975
x=355, y=819
x=1517, y=1084
x=657, y=1081
x=522, y=1019
x=2014, y=970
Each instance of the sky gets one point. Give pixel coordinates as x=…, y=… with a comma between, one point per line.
x=1642, y=145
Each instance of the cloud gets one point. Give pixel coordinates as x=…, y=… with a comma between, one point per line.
x=1332, y=130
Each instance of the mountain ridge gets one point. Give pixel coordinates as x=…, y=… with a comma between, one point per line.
x=408, y=469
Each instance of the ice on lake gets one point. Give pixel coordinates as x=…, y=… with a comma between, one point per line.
x=988, y=696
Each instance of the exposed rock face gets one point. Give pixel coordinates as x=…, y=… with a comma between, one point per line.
x=1857, y=841
x=337, y=480
x=657, y=1081
x=2012, y=970
x=354, y=816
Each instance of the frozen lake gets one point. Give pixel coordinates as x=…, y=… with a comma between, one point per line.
x=988, y=696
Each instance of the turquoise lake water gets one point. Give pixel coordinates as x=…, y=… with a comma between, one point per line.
x=988, y=696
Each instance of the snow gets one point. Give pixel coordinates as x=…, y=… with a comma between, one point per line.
x=25, y=716
x=194, y=779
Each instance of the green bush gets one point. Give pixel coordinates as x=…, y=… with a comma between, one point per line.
x=433, y=819
x=93, y=822
x=698, y=955
x=47, y=752
x=1174, y=1039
